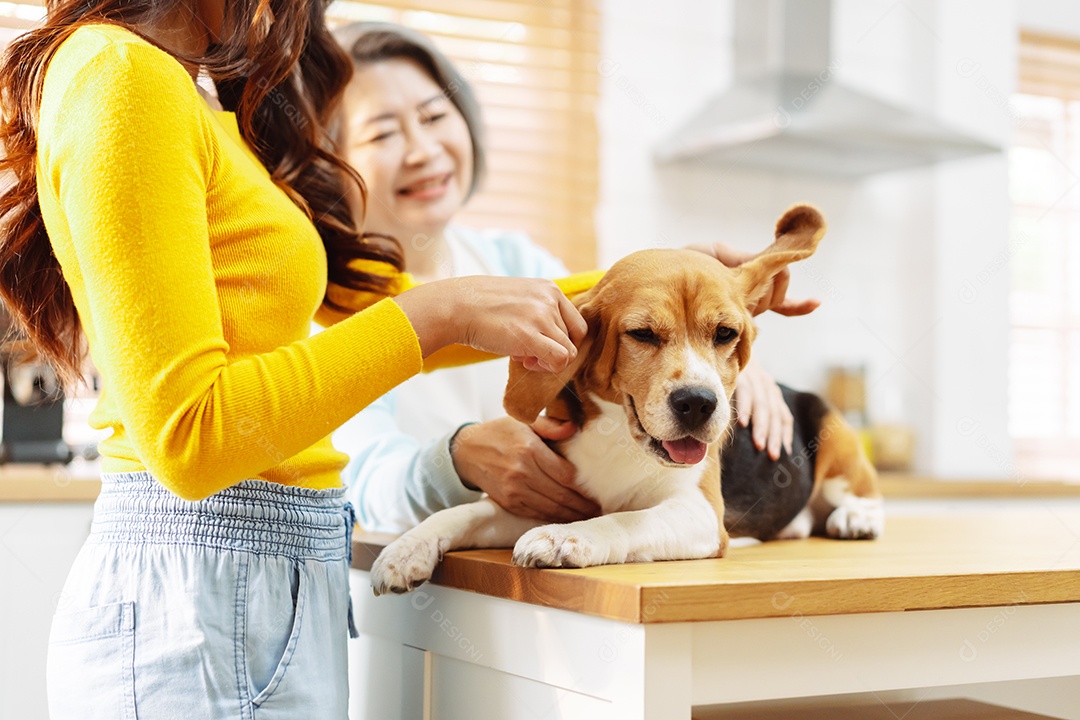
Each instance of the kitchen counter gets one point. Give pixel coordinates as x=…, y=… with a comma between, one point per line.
x=79, y=483
x=49, y=483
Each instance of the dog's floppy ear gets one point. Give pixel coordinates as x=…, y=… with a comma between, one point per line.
x=746, y=340
x=528, y=392
x=798, y=232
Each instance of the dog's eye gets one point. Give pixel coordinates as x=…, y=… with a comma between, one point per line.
x=644, y=335
x=724, y=335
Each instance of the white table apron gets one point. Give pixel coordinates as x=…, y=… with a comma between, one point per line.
x=449, y=654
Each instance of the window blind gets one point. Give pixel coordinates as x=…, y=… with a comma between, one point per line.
x=1049, y=66
x=533, y=65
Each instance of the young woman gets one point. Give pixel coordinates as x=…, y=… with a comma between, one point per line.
x=189, y=249
x=412, y=129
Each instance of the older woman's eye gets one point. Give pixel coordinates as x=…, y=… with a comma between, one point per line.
x=428, y=119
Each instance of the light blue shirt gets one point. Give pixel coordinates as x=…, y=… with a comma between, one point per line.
x=400, y=470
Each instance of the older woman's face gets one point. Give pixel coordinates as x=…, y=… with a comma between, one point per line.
x=410, y=145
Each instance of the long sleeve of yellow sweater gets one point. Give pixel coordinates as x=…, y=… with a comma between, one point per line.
x=196, y=279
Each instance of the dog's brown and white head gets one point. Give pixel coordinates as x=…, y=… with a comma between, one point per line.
x=669, y=331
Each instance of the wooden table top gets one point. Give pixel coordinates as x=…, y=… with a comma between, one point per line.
x=983, y=558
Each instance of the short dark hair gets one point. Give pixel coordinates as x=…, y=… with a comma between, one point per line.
x=371, y=42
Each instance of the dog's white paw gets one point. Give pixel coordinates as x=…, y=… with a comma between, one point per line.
x=559, y=546
x=405, y=564
x=856, y=518
x=799, y=528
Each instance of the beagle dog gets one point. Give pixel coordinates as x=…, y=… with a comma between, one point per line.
x=651, y=389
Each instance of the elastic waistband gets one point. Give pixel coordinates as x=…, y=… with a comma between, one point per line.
x=254, y=516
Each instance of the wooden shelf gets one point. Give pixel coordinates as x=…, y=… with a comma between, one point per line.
x=982, y=559
x=924, y=487
x=40, y=483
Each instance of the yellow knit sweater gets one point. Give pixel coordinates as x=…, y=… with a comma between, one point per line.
x=196, y=280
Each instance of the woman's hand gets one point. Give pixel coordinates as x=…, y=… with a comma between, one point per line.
x=529, y=320
x=758, y=399
x=776, y=298
x=511, y=463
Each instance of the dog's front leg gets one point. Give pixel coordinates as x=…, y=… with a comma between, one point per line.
x=409, y=561
x=682, y=527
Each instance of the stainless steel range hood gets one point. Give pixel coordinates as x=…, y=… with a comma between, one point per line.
x=787, y=110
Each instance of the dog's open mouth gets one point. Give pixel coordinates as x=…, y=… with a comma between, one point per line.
x=684, y=451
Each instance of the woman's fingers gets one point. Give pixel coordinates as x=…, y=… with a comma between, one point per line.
x=556, y=483
x=744, y=399
x=759, y=401
x=776, y=423
x=552, y=429
x=543, y=353
x=724, y=253
x=787, y=424
x=558, y=330
x=780, y=282
x=792, y=308
x=761, y=412
x=569, y=330
x=575, y=324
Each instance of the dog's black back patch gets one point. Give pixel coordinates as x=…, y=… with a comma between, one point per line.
x=762, y=495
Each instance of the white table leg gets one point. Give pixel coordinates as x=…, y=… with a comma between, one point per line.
x=388, y=680
x=664, y=675
x=498, y=659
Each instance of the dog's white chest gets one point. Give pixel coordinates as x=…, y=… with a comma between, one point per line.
x=616, y=471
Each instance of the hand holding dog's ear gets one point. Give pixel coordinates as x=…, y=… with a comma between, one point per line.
x=797, y=234
x=530, y=390
x=775, y=298
x=528, y=319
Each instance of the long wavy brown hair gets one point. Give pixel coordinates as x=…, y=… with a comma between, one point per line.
x=277, y=67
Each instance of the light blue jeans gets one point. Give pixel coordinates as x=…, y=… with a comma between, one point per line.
x=236, y=606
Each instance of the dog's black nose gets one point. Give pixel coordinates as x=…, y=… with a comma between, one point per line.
x=693, y=406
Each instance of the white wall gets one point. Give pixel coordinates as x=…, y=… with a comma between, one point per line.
x=1060, y=17
x=892, y=269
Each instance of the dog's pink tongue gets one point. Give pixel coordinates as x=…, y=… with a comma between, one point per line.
x=687, y=450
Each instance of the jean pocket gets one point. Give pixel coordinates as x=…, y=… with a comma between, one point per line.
x=91, y=665
x=272, y=623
